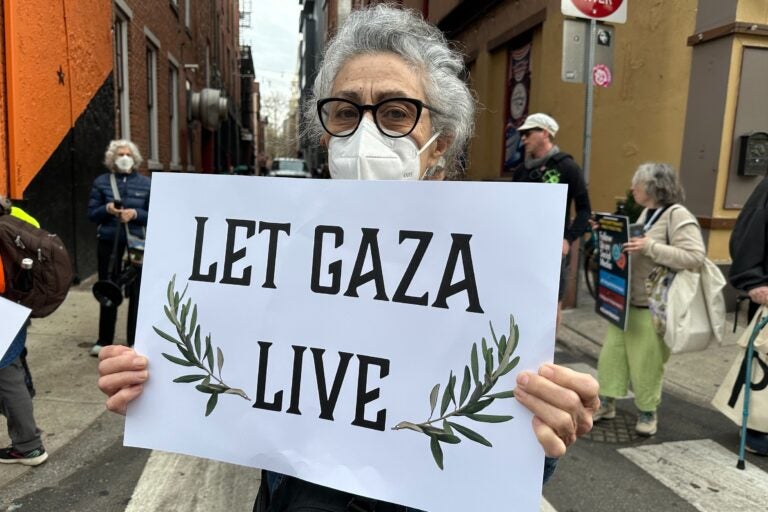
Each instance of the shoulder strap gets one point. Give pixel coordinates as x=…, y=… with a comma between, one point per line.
x=116, y=195
x=559, y=157
x=672, y=209
x=113, y=184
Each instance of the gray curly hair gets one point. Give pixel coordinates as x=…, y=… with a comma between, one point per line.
x=385, y=28
x=111, y=153
x=660, y=182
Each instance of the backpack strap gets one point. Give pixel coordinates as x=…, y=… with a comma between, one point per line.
x=559, y=157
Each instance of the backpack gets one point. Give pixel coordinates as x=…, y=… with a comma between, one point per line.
x=51, y=271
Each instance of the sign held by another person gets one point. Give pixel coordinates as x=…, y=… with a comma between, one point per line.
x=614, y=269
x=13, y=318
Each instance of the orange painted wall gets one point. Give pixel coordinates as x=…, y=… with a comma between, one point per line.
x=3, y=128
x=58, y=53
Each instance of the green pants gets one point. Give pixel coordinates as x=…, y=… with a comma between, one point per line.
x=635, y=358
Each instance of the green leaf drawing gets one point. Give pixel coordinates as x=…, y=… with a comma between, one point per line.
x=433, y=398
x=189, y=344
x=471, y=401
x=470, y=434
x=437, y=451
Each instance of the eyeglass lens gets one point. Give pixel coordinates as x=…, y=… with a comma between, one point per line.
x=393, y=117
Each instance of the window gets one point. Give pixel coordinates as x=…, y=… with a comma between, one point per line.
x=121, y=74
x=173, y=112
x=208, y=65
x=152, y=144
x=188, y=13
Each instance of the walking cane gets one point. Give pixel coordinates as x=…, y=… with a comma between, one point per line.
x=747, y=387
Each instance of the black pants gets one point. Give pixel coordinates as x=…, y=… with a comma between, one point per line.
x=108, y=315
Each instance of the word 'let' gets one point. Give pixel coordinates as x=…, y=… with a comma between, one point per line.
x=459, y=254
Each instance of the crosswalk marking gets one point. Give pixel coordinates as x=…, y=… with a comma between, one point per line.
x=545, y=506
x=172, y=482
x=704, y=474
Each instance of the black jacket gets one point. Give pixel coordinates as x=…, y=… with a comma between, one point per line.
x=748, y=242
x=560, y=168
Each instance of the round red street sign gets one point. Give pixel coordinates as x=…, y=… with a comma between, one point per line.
x=601, y=75
x=597, y=8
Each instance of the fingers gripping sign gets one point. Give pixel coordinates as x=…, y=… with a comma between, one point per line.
x=562, y=402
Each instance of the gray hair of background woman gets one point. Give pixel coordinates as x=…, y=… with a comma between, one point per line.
x=404, y=32
x=111, y=153
x=661, y=183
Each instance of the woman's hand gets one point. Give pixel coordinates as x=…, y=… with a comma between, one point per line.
x=112, y=210
x=759, y=295
x=122, y=373
x=562, y=401
x=636, y=244
x=128, y=214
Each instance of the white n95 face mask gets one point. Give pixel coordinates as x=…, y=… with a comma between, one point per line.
x=124, y=164
x=368, y=154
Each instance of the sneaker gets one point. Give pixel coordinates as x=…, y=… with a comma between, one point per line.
x=31, y=458
x=95, y=349
x=607, y=410
x=647, y=423
x=757, y=444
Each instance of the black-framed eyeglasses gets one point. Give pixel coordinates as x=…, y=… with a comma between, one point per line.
x=394, y=117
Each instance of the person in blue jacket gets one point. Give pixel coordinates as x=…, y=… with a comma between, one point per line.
x=123, y=159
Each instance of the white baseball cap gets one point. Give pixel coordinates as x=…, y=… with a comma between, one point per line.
x=542, y=121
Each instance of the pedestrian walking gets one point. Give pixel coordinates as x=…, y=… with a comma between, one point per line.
x=373, y=132
x=546, y=163
x=749, y=273
x=672, y=239
x=118, y=219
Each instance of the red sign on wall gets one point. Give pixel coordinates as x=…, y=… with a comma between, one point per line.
x=604, y=10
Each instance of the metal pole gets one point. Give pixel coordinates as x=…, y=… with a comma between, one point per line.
x=588, y=105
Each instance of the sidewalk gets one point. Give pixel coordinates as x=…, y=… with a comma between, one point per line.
x=693, y=376
x=68, y=400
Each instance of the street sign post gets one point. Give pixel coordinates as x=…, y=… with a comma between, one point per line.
x=604, y=10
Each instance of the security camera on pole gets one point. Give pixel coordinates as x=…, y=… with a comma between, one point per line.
x=579, y=59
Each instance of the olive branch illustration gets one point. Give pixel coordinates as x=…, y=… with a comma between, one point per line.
x=190, y=345
x=469, y=405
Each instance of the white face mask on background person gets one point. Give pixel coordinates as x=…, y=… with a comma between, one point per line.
x=124, y=164
x=368, y=154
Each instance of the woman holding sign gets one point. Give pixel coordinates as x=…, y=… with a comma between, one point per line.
x=390, y=103
x=672, y=239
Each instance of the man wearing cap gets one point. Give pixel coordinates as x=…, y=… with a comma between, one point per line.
x=545, y=163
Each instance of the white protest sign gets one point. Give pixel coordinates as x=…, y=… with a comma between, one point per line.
x=333, y=309
x=12, y=318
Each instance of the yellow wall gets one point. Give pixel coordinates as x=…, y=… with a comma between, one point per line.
x=752, y=11
x=639, y=118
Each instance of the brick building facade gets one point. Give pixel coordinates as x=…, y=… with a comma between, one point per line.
x=173, y=52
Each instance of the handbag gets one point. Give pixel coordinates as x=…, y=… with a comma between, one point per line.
x=729, y=398
x=134, y=244
x=687, y=307
x=657, y=285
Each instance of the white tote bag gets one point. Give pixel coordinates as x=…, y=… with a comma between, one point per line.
x=729, y=399
x=695, y=309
